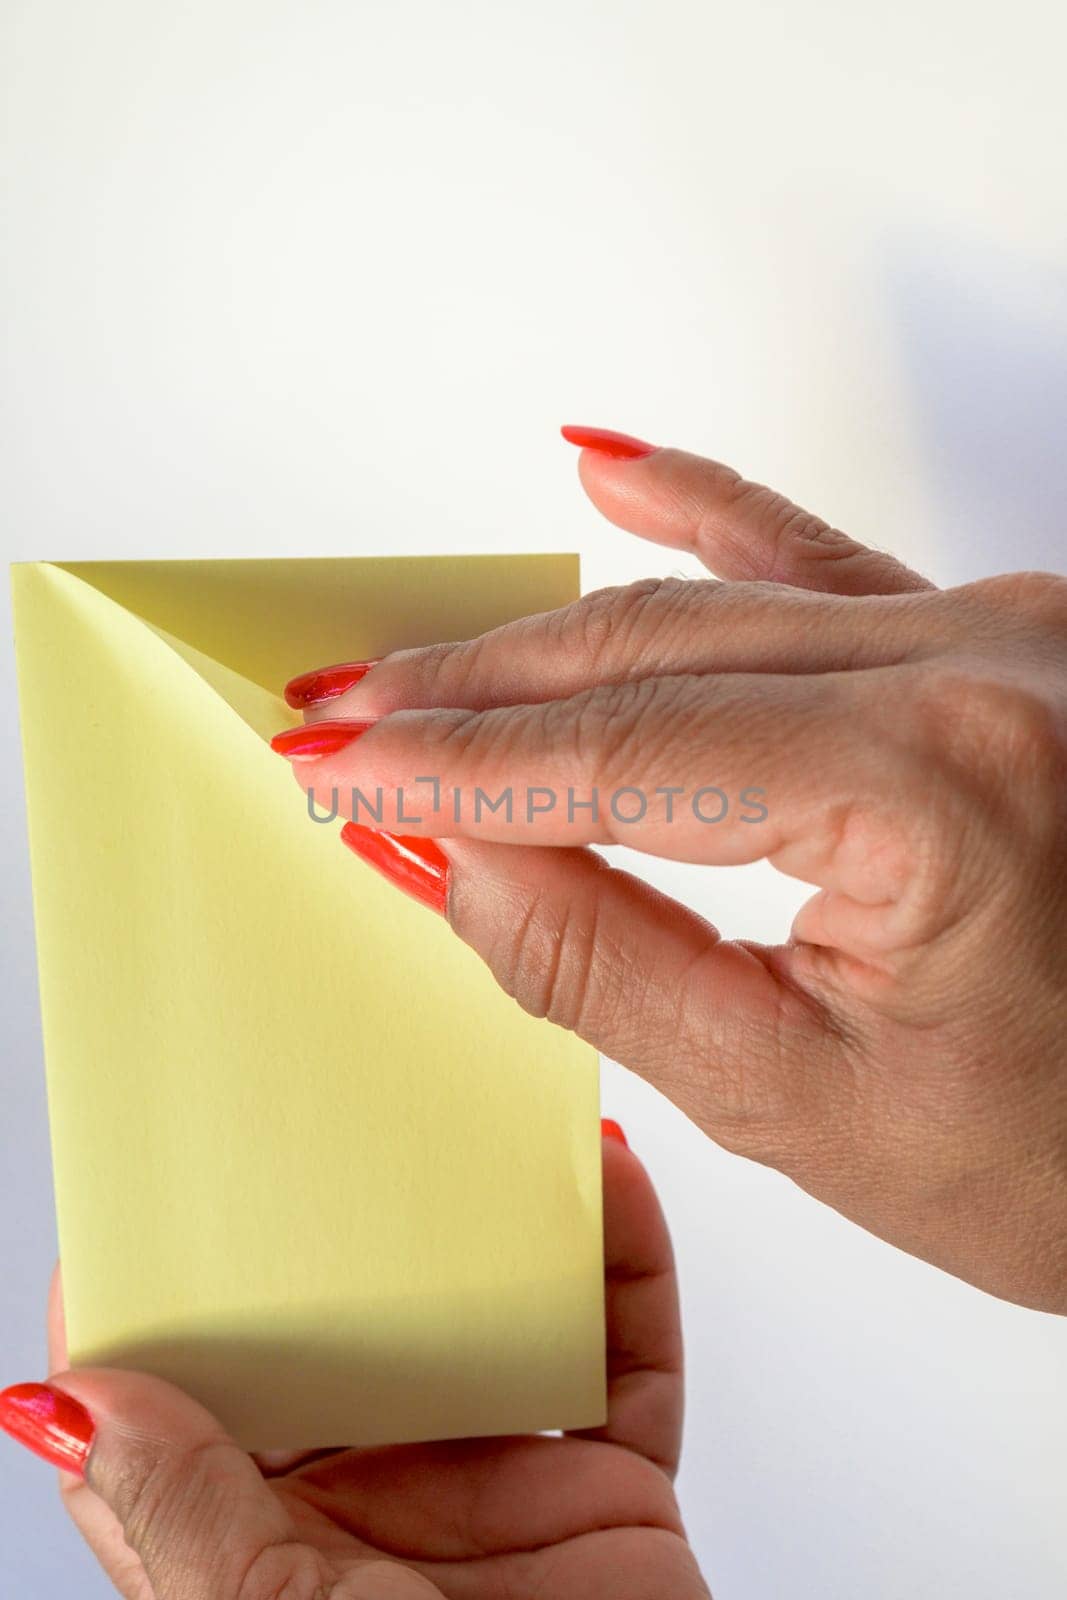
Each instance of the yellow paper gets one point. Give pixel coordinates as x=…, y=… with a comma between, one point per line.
x=310, y=1163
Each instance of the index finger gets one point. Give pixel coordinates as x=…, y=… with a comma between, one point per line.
x=737, y=528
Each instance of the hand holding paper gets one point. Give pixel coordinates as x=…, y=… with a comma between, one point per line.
x=901, y=749
x=311, y=1165
x=170, y=1505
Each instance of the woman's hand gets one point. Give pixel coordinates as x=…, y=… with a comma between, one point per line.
x=174, y=1510
x=900, y=748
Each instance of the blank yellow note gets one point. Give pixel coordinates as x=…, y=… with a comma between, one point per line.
x=310, y=1163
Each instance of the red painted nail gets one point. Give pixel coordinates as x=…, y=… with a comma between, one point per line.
x=606, y=440
x=48, y=1422
x=315, y=739
x=418, y=866
x=327, y=683
x=612, y=1130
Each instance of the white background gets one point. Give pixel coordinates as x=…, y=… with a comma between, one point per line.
x=302, y=277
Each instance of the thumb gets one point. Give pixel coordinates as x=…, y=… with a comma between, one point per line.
x=191, y=1504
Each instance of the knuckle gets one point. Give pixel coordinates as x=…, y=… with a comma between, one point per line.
x=789, y=534
x=593, y=620
x=479, y=739
x=587, y=628
x=698, y=503
x=646, y=728
x=442, y=674
x=171, y=1502
x=810, y=536
x=284, y=1571
x=613, y=628
x=562, y=963
x=752, y=500
x=984, y=709
x=783, y=521
x=1006, y=730
x=545, y=964
x=600, y=718
x=416, y=673
x=804, y=540
x=600, y=728
x=1039, y=597
x=164, y=1495
x=754, y=505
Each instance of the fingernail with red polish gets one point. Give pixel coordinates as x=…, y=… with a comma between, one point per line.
x=327, y=683
x=314, y=739
x=608, y=442
x=612, y=1130
x=418, y=866
x=50, y=1423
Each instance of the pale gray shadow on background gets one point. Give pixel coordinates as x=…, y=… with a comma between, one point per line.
x=982, y=337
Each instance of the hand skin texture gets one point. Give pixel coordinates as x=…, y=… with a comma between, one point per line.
x=174, y=1510
x=901, y=1057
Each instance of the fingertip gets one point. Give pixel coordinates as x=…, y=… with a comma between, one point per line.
x=607, y=441
x=417, y=866
x=326, y=683
x=610, y=1129
x=49, y=1422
